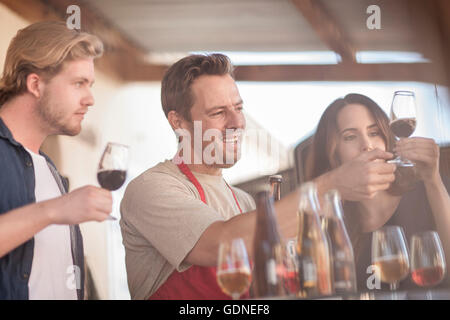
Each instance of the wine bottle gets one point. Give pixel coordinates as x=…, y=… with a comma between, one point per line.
x=268, y=259
x=290, y=272
x=342, y=256
x=313, y=254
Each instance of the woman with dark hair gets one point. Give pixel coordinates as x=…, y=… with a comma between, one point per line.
x=351, y=144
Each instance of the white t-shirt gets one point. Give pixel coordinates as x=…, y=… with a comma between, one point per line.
x=51, y=277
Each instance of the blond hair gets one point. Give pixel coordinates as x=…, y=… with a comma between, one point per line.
x=42, y=48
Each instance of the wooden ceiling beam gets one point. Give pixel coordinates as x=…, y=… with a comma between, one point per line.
x=421, y=72
x=326, y=27
x=122, y=59
x=126, y=60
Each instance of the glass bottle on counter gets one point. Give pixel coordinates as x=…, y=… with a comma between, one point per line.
x=313, y=253
x=342, y=256
x=290, y=275
x=268, y=258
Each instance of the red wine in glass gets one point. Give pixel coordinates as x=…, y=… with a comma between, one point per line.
x=428, y=265
x=403, y=128
x=111, y=179
x=403, y=120
x=429, y=276
x=112, y=169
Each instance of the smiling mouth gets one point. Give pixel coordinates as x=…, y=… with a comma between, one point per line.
x=234, y=138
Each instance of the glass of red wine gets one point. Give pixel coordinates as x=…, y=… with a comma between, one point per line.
x=427, y=260
x=112, y=169
x=403, y=120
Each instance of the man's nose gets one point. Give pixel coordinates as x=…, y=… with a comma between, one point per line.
x=88, y=100
x=236, y=119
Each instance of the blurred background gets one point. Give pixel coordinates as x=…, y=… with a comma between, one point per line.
x=293, y=58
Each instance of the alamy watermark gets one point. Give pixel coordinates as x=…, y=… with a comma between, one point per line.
x=374, y=20
x=74, y=20
x=374, y=280
x=216, y=147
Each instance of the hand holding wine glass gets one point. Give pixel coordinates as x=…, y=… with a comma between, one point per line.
x=112, y=169
x=233, y=269
x=424, y=152
x=427, y=260
x=390, y=255
x=403, y=120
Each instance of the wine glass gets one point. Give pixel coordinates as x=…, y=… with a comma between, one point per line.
x=390, y=255
x=112, y=169
x=233, y=268
x=427, y=260
x=403, y=120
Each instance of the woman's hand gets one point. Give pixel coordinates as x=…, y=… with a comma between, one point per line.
x=424, y=152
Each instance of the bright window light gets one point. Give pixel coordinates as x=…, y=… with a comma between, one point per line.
x=389, y=57
x=281, y=58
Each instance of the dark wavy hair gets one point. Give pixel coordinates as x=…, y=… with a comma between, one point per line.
x=323, y=156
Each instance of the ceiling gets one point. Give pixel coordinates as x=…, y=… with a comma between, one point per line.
x=217, y=25
x=257, y=25
x=143, y=37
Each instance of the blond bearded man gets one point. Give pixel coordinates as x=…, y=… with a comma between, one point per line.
x=45, y=90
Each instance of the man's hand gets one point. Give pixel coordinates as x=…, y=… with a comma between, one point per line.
x=87, y=203
x=84, y=204
x=364, y=176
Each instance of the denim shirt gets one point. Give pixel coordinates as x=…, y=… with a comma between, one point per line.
x=17, y=184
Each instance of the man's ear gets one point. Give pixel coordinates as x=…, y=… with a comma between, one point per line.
x=175, y=120
x=34, y=85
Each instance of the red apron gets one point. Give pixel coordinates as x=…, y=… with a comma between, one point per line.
x=196, y=283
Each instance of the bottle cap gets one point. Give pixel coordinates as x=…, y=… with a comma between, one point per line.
x=276, y=178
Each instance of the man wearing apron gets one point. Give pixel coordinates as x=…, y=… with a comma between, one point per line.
x=175, y=215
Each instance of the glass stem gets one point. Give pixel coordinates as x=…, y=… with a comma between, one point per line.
x=394, y=286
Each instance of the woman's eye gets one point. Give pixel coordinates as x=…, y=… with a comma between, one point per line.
x=349, y=138
x=374, y=133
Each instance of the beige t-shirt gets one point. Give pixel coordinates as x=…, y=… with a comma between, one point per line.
x=163, y=217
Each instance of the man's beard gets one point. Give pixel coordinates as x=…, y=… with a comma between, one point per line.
x=52, y=118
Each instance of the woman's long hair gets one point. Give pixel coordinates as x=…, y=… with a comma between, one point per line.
x=323, y=156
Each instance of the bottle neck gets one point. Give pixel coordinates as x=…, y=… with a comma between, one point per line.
x=276, y=190
x=332, y=207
